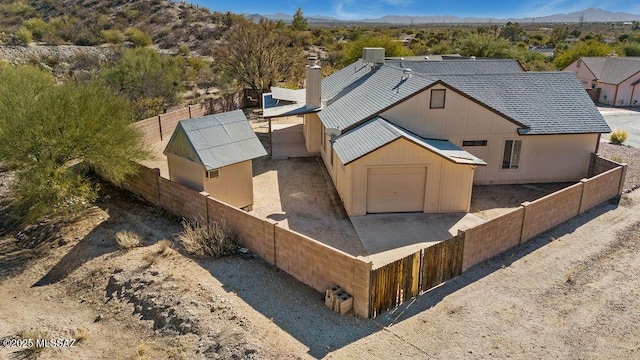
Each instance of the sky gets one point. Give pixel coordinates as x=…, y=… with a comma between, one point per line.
x=369, y=9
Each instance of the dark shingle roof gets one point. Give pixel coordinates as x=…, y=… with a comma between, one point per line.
x=454, y=67
x=217, y=140
x=544, y=102
x=612, y=70
x=378, y=132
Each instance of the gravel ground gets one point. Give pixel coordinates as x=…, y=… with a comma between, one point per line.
x=624, y=154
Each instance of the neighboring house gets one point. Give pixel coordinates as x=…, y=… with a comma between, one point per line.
x=547, y=51
x=213, y=154
x=416, y=136
x=611, y=80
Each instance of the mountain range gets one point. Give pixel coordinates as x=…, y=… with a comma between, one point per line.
x=588, y=15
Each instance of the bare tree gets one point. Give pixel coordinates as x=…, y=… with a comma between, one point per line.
x=259, y=56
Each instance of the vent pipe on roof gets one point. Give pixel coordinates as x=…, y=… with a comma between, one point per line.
x=313, y=80
x=406, y=73
x=473, y=58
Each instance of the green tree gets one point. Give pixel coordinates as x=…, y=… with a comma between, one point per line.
x=258, y=56
x=47, y=129
x=353, y=50
x=150, y=81
x=484, y=45
x=582, y=48
x=299, y=22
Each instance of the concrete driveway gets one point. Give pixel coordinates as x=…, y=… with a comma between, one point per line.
x=624, y=119
x=388, y=237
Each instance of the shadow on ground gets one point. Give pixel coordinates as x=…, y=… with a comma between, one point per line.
x=123, y=211
x=294, y=307
x=479, y=271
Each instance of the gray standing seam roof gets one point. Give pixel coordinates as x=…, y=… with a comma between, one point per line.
x=219, y=140
x=454, y=67
x=612, y=70
x=378, y=132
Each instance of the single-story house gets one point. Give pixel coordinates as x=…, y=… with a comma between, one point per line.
x=612, y=80
x=213, y=154
x=403, y=136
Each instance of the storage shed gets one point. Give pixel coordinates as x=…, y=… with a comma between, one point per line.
x=214, y=153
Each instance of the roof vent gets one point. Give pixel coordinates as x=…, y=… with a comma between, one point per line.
x=472, y=57
x=426, y=58
x=406, y=73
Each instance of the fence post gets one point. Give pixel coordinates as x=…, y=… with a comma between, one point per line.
x=205, y=195
x=362, y=287
x=623, y=175
x=584, y=186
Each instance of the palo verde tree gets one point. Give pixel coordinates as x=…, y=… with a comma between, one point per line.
x=580, y=49
x=49, y=131
x=353, y=50
x=150, y=81
x=259, y=56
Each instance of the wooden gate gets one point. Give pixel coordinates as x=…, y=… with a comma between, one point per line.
x=403, y=279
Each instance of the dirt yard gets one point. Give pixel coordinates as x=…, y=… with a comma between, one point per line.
x=569, y=293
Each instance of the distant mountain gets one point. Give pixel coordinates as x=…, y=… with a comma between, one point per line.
x=588, y=15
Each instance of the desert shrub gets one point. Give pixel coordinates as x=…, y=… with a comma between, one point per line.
x=618, y=136
x=128, y=239
x=214, y=240
x=138, y=37
x=24, y=35
x=112, y=36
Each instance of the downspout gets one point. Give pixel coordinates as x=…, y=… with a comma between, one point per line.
x=615, y=96
x=633, y=89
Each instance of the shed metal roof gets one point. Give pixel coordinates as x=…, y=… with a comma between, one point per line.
x=378, y=132
x=215, y=141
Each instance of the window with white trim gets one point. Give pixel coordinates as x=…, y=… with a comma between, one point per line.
x=511, y=156
x=438, y=98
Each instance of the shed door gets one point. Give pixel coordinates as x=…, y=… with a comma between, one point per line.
x=396, y=189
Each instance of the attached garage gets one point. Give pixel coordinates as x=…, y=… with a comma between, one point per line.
x=382, y=168
x=396, y=189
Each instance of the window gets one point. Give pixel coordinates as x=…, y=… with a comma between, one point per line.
x=213, y=173
x=437, y=98
x=511, y=157
x=474, y=143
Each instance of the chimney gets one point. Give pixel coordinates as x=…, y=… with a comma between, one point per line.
x=313, y=83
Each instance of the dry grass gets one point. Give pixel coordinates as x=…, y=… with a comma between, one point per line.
x=214, y=240
x=80, y=335
x=618, y=136
x=128, y=239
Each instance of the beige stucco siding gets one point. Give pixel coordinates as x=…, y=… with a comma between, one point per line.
x=607, y=93
x=186, y=172
x=582, y=72
x=312, y=132
x=544, y=158
x=234, y=184
x=403, y=153
x=627, y=93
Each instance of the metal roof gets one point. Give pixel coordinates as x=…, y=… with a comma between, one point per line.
x=453, y=67
x=272, y=107
x=299, y=95
x=612, y=70
x=544, y=102
x=215, y=141
x=378, y=132
x=375, y=89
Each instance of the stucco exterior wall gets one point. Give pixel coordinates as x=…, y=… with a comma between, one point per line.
x=583, y=73
x=544, y=158
x=312, y=132
x=447, y=188
x=607, y=93
x=234, y=185
x=628, y=93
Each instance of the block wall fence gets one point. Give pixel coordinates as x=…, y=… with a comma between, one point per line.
x=321, y=266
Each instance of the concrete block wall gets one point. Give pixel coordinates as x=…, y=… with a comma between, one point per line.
x=169, y=121
x=321, y=266
x=491, y=238
x=150, y=129
x=600, y=165
x=144, y=184
x=255, y=233
x=602, y=187
x=551, y=210
x=182, y=201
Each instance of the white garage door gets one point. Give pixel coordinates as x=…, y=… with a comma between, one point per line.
x=396, y=189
